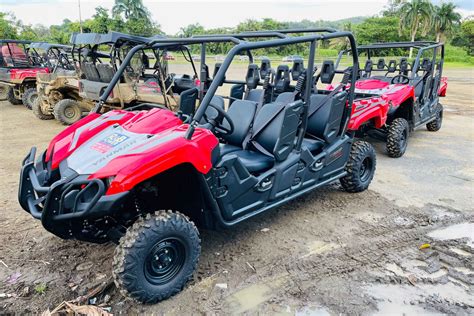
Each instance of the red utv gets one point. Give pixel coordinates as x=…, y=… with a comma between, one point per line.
x=409, y=88
x=145, y=176
x=18, y=71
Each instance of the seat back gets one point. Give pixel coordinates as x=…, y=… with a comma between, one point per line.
x=265, y=68
x=279, y=134
x=392, y=66
x=242, y=114
x=297, y=69
x=252, y=78
x=404, y=66
x=327, y=72
x=187, y=101
x=325, y=123
x=236, y=93
x=106, y=72
x=282, y=79
x=217, y=66
x=90, y=71
x=368, y=68
x=381, y=64
x=211, y=113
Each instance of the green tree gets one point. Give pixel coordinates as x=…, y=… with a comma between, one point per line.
x=130, y=9
x=379, y=29
x=467, y=28
x=191, y=29
x=7, y=26
x=445, y=19
x=416, y=15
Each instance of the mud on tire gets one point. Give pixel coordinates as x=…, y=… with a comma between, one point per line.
x=435, y=125
x=67, y=111
x=156, y=257
x=397, y=137
x=38, y=112
x=360, y=167
x=11, y=97
x=29, y=97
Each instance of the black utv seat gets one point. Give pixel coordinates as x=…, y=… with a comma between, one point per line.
x=252, y=80
x=106, y=72
x=272, y=136
x=282, y=79
x=90, y=71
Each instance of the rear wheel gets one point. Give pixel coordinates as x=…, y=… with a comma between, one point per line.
x=29, y=97
x=360, y=168
x=4, y=89
x=397, y=138
x=67, y=111
x=11, y=97
x=156, y=257
x=435, y=125
x=38, y=112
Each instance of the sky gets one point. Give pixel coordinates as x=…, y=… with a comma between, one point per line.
x=173, y=14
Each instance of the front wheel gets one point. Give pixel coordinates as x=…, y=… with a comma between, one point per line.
x=11, y=97
x=360, y=168
x=435, y=125
x=38, y=111
x=68, y=111
x=156, y=257
x=29, y=97
x=397, y=138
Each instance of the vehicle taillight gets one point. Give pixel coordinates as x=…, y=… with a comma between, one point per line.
x=197, y=82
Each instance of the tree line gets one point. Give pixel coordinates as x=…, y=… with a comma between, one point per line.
x=402, y=20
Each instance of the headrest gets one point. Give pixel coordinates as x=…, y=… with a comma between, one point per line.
x=327, y=72
x=425, y=63
x=368, y=65
x=265, y=67
x=381, y=64
x=282, y=72
x=392, y=65
x=297, y=69
x=403, y=65
x=253, y=77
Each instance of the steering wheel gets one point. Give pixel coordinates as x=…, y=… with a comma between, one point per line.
x=400, y=79
x=219, y=127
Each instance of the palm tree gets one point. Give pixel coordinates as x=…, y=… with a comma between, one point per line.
x=416, y=15
x=131, y=9
x=445, y=19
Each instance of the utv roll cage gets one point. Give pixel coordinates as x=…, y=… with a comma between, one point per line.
x=44, y=53
x=419, y=63
x=15, y=63
x=241, y=45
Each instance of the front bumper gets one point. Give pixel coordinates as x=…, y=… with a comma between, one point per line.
x=71, y=197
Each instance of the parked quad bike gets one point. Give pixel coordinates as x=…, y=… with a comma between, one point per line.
x=147, y=177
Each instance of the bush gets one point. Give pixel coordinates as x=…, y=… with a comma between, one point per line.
x=454, y=54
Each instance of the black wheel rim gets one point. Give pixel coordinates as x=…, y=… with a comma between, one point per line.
x=70, y=112
x=365, y=169
x=165, y=261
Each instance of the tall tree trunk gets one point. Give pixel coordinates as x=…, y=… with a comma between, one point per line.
x=438, y=36
x=413, y=35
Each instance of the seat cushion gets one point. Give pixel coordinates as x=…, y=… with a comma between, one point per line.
x=254, y=161
x=224, y=149
x=313, y=145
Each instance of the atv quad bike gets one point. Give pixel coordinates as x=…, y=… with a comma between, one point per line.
x=141, y=83
x=147, y=178
x=18, y=70
x=399, y=96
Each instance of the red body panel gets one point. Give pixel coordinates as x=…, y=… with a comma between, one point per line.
x=443, y=87
x=171, y=148
x=18, y=75
x=372, y=109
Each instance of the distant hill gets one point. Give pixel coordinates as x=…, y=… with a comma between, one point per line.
x=338, y=24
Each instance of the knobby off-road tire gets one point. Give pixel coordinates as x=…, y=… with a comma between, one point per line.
x=156, y=257
x=38, y=112
x=360, y=168
x=397, y=137
x=435, y=125
x=29, y=97
x=67, y=111
x=4, y=89
x=11, y=97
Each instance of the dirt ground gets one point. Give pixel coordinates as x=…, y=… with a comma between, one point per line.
x=329, y=252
